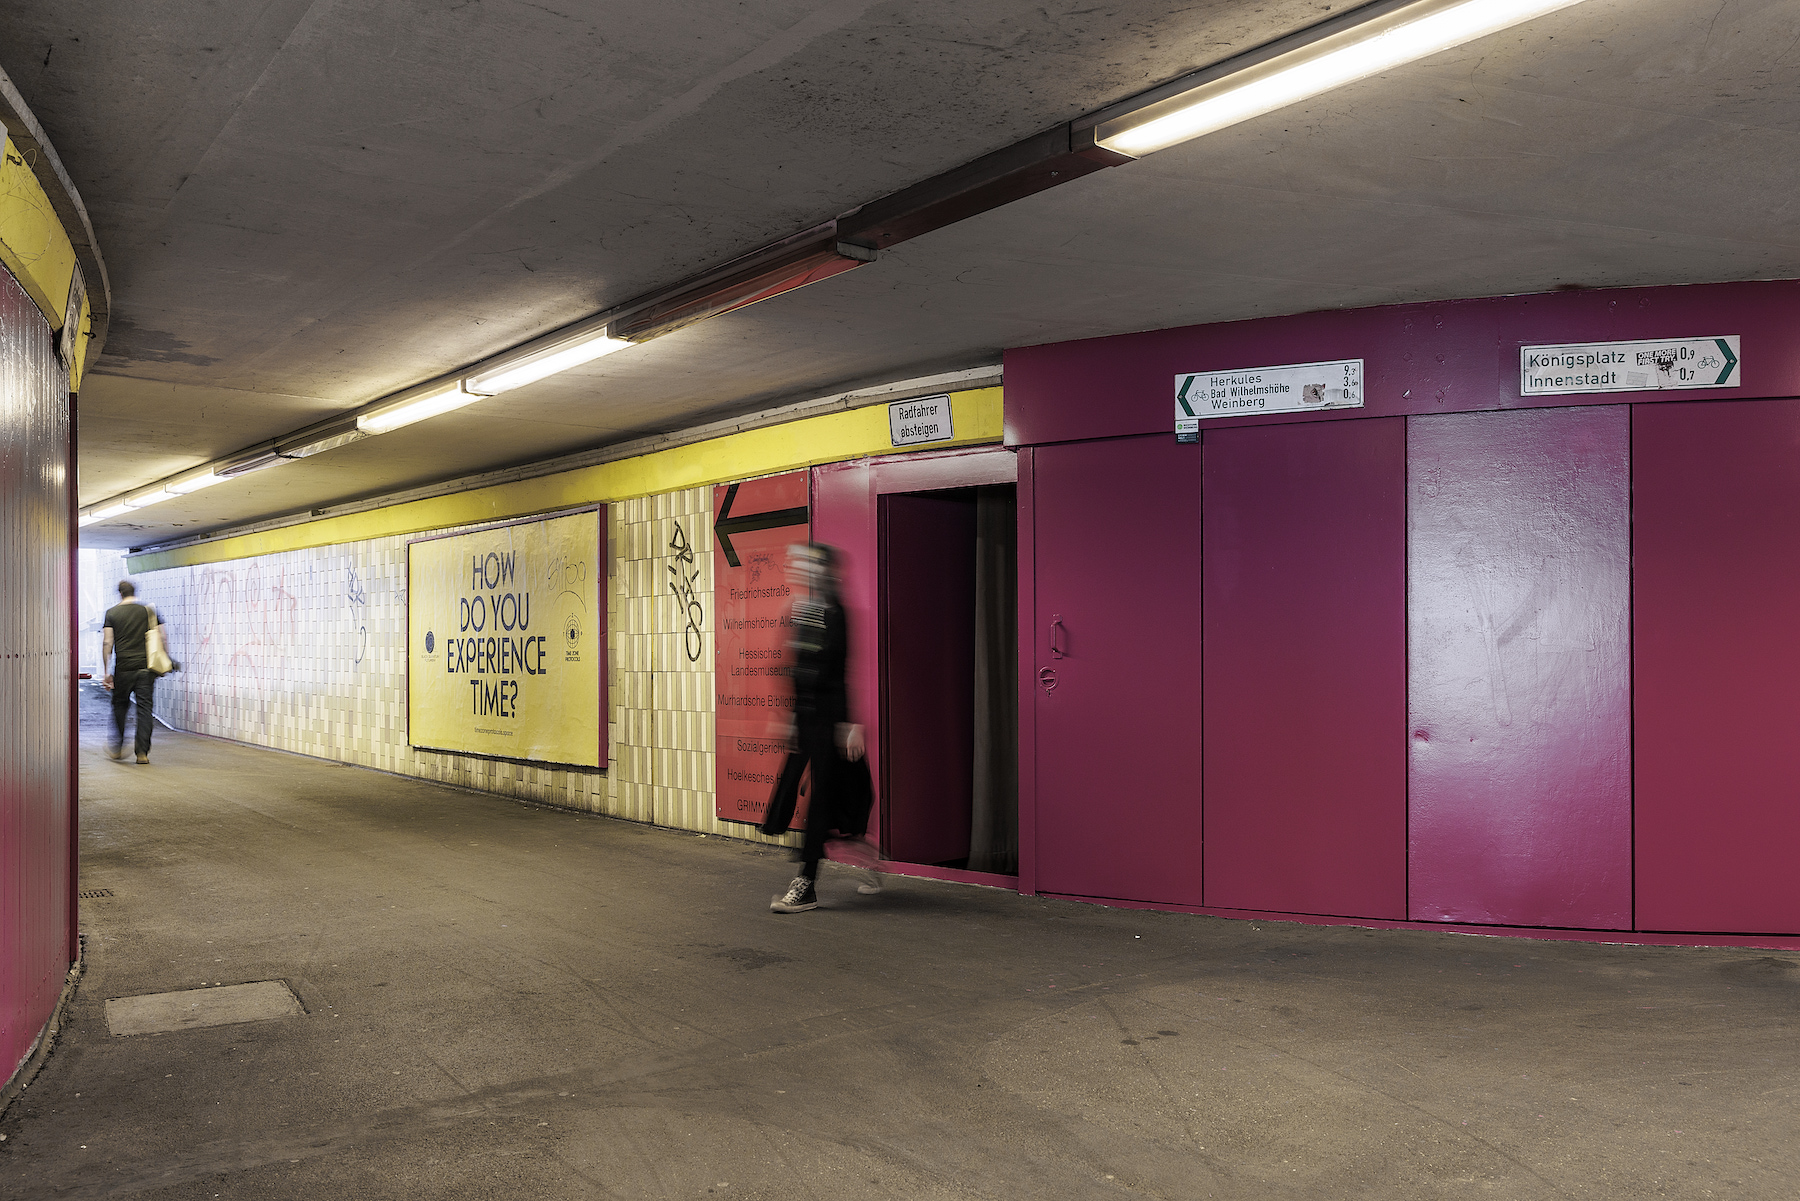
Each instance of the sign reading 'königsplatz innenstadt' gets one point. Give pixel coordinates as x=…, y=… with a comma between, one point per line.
x=1645, y=366
x=1253, y=391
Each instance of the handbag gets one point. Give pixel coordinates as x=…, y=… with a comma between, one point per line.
x=785, y=797
x=154, y=651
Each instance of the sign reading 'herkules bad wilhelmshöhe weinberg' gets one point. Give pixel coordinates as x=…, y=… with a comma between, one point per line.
x=1252, y=391
x=505, y=637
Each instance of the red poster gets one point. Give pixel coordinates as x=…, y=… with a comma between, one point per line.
x=753, y=524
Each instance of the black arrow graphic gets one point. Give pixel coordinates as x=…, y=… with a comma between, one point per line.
x=725, y=525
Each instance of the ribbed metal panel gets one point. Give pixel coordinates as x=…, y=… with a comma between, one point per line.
x=36, y=659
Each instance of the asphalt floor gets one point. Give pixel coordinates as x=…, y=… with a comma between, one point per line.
x=505, y=1000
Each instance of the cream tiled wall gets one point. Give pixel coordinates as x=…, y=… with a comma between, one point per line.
x=305, y=651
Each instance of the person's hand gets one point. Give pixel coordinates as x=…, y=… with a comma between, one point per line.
x=106, y=682
x=850, y=740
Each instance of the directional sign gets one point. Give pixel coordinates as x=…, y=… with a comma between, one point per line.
x=1252, y=391
x=752, y=604
x=1651, y=365
x=725, y=525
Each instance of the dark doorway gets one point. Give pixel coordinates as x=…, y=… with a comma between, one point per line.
x=949, y=653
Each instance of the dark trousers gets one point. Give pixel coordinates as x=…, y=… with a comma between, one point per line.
x=818, y=742
x=141, y=684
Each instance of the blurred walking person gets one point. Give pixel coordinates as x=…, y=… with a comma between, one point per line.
x=125, y=638
x=821, y=731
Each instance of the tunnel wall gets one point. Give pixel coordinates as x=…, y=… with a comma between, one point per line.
x=36, y=664
x=304, y=651
x=1466, y=656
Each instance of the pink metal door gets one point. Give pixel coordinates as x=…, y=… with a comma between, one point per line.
x=1716, y=524
x=1306, y=667
x=1114, y=640
x=1520, y=667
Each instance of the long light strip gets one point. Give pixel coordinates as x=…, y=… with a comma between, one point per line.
x=1358, y=52
x=570, y=352
x=194, y=483
x=105, y=512
x=430, y=402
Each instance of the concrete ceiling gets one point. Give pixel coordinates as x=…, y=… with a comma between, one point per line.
x=307, y=204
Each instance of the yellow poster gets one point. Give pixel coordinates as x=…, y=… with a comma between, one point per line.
x=506, y=641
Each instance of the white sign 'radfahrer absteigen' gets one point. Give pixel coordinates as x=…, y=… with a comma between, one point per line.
x=1650, y=365
x=1294, y=388
x=922, y=419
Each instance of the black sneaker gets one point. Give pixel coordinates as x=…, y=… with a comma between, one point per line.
x=798, y=899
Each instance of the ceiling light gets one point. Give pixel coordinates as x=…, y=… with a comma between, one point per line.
x=805, y=258
x=416, y=405
x=251, y=460
x=321, y=438
x=583, y=344
x=1362, y=43
x=105, y=512
x=143, y=499
x=194, y=483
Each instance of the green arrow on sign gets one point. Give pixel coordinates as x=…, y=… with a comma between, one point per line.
x=1731, y=360
x=1182, y=400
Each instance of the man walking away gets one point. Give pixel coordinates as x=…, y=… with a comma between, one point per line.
x=128, y=625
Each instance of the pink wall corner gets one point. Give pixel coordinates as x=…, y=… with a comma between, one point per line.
x=845, y=514
x=38, y=859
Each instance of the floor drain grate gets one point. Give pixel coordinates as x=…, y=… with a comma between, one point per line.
x=94, y=894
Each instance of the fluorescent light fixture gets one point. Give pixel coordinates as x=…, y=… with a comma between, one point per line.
x=250, y=460
x=583, y=344
x=1364, y=42
x=145, y=499
x=319, y=439
x=106, y=512
x=416, y=405
x=194, y=483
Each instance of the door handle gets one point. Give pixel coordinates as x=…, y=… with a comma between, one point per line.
x=1057, y=630
x=1047, y=677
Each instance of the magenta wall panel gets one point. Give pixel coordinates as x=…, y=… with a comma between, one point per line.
x=1519, y=640
x=1443, y=357
x=1305, y=586
x=36, y=675
x=843, y=515
x=1716, y=490
x=928, y=673
x=1116, y=527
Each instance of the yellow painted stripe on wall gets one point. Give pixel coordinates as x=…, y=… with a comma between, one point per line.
x=33, y=244
x=831, y=438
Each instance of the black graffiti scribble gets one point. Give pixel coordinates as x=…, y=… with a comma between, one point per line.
x=685, y=576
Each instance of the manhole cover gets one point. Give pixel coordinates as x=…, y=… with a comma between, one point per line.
x=193, y=1008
